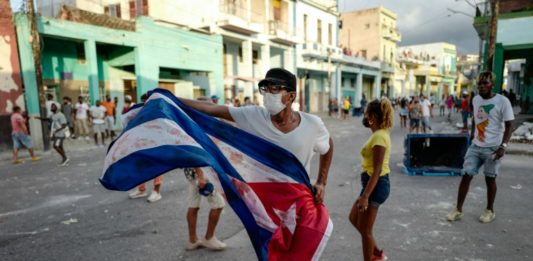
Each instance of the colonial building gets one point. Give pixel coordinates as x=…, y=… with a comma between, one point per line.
x=372, y=34
x=431, y=68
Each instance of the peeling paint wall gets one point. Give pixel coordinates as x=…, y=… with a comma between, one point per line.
x=11, y=92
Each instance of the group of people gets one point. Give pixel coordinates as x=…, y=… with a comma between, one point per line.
x=418, y=109
x=67, y=120
x=303, y=134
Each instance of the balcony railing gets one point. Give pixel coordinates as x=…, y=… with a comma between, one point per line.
x=241, y=11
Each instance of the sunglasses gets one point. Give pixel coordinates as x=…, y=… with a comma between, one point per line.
x=274, y=89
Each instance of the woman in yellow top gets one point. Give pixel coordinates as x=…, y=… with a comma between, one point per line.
x=346, y=104
x=375, y=177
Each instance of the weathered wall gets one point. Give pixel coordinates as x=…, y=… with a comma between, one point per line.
x=10, y=82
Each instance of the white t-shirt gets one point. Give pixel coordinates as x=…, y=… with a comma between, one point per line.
x=309, y=137
x=490, y=116
x=81, y=110
x=98, y=113
x=426, y=106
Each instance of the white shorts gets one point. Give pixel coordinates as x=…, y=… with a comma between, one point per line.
x=215, y=200
x=98, y=128
x=109, y=122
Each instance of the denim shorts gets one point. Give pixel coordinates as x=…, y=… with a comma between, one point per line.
x=425, y=122
x=415, y=122
x=21, y=140
x=477, y=156
x=381, y=190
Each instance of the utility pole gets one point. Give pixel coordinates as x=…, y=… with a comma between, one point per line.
x=494, y=9
x=36, y=49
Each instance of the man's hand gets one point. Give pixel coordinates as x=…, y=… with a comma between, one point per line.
x=320, y=190
x=498, y=154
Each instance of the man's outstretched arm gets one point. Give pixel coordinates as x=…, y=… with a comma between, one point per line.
x=215, y=110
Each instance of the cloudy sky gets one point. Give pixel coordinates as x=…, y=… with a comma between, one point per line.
x=426, y=21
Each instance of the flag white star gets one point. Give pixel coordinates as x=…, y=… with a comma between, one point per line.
x=288, y=217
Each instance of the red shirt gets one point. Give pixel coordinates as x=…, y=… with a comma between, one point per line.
x=464, y=105
x=17, y=121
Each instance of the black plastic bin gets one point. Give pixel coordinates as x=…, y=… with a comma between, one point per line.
x=435, y=154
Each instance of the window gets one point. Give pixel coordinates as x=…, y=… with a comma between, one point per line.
x=305, y=27
x=113, y=10
x=240, y=54
x=367, y=26
x=255, y=56
x=276, y=4
x=363, y=53
x=138, y=7
x=330, y=34
x=80, y=53
x=352, y=82
x=384, y=52
x=319, y=31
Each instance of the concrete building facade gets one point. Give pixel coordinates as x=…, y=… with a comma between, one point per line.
x=373, y=35
x=91, y=55
x=431, y=69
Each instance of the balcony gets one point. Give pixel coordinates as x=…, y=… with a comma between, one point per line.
x=321, y=52
x=392, y=34
x=281, y=33
x=239, y=19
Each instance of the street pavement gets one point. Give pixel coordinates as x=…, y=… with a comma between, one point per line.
x=49, y=212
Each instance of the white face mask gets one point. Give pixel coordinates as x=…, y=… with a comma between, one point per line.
x=273, y=103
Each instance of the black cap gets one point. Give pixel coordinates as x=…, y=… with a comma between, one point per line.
x=279, y=76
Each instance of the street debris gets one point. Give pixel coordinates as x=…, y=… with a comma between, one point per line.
x=69, y=221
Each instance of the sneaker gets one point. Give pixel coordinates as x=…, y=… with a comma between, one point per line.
x=137, y=194
x=487, y=216
x=154, y=196
x=380, y=257
x=64, y=162
x=15, y=162
x=35, y=158
x=193, y=246
x=454, y=215
x=214, y=244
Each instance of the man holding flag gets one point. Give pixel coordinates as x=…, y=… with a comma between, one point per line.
x=262, y=166
x=298, y=132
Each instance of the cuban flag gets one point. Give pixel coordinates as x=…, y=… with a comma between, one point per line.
x=266, y=185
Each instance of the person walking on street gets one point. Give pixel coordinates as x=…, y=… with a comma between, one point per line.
x=68, y=110
x=20, y=135
x=58, y=132
x=97, y=114
x=298, y=132
x=199, y=186
x=81, y=116
x=415, y=111
x=375, y=177
x=465, y=111
x=427, y=113
x=442, y=105
x=493, y=117
x=109, y=118
x=403, y=113
x=345, y=107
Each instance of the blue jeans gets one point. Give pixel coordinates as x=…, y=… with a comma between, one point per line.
x=381, y=190
x=477, y=156
x=465, y=118
x=21, y=140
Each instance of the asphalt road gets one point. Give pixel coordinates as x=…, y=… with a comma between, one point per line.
x=63, y=213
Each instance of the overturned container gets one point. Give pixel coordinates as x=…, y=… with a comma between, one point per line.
x=435, y=154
